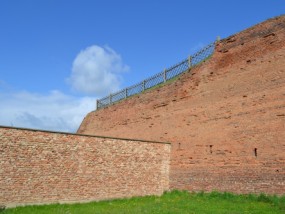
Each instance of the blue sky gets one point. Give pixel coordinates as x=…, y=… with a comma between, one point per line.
x=57, y=56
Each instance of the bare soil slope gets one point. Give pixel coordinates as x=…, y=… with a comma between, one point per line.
x=225, y=118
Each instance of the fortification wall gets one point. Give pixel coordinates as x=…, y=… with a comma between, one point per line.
x=225, y=118
x=39, y=167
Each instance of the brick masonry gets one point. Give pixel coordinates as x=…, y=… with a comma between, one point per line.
x=40, y=167
x=225, y=118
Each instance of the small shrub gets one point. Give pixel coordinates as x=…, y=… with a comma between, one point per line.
x=2, y=208
x=264, y=198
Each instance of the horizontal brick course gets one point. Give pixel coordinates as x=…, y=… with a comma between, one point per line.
x=39, y=167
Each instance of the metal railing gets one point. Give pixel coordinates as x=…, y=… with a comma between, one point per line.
x=159, y=78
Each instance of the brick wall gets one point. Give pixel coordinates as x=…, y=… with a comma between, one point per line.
x=215, y=116
x=46, y=167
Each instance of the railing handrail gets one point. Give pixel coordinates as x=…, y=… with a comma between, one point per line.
x=158, y=78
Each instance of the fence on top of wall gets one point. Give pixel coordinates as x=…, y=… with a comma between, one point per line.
x=159, y=78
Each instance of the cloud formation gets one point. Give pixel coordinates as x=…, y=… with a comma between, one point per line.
x=55, y=111
x=97, y=71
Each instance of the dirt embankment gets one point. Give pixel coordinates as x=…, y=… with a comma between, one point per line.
x=225, y=118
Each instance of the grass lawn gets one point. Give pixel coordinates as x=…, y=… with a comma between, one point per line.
x=170, y=202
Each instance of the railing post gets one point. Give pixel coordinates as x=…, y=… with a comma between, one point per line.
x=143, y=85
x=126, y=93
x=164, y=75
x=218, y=39
x=97, y=102
x=110, y=99
x=190, y=61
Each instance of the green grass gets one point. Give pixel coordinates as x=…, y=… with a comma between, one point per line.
x=170, y=202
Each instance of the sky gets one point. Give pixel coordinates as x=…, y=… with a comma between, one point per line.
x=58, y=56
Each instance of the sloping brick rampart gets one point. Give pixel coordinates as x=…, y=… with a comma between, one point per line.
x=225, y=118
x=38, y=167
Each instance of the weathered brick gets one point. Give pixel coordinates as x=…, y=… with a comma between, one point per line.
x=38, y=167
x=216, y=115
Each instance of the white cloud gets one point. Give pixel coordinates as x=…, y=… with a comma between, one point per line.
x=55, y=111
x=96, y=71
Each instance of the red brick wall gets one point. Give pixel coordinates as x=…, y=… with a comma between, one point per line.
x=46, y=167
x=215, y=116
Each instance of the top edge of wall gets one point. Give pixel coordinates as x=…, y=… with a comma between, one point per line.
x=84, y=135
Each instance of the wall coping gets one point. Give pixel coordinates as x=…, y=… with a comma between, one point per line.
x=83, y=135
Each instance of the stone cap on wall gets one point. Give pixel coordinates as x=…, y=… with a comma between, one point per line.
x=85, y=135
